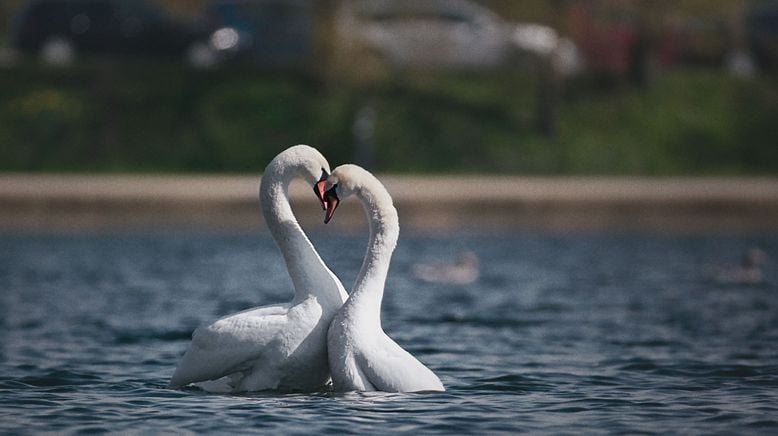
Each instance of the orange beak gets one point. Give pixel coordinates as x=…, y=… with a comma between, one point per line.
x=330, y=202
x=318, y=189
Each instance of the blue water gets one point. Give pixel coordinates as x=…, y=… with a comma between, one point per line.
x=591, y=333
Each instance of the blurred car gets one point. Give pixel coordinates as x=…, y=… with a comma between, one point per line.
x=263, y=33
x=762, y=33
x=436, y=34
x=60, y=30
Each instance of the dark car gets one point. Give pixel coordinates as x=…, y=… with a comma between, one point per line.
x=762, y=33
x=59, y=30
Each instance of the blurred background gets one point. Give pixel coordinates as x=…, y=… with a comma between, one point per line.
x=552, y=87
x=587, y=189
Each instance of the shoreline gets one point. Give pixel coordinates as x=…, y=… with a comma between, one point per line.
x=69, y=202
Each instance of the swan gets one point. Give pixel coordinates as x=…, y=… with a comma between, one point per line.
x=362, y=357
x=280, y=346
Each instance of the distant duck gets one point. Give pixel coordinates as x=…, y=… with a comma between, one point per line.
x=749, y=272
x=464, y=271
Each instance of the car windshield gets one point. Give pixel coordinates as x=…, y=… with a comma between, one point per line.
x=449, y=10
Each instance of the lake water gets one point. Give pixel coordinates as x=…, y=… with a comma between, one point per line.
x=585, y=333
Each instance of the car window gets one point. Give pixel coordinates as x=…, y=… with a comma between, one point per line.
x=454, y=18
x=57, y=13
x=263, y=14
x=448, y=11
x=143, y=10
x=94, y=9
x=48, y=10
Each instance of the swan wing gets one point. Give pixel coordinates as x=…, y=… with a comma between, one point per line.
x=389, y=368
x=230, y=344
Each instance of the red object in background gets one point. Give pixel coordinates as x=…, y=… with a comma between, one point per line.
x=669, y=46
x=604, y=36
x=614, y=40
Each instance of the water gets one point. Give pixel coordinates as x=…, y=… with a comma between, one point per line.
x=590, y=333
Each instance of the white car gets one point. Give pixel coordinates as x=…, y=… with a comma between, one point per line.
x=438, y=34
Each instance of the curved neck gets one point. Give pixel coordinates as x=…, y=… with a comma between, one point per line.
x=368, y=290
x=309, y=274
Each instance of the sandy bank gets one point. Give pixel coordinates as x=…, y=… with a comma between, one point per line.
x=434, y=203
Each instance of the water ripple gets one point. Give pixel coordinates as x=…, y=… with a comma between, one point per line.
x=564, y=334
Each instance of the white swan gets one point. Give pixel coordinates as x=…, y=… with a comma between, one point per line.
x=281, y=346
x=362, y=357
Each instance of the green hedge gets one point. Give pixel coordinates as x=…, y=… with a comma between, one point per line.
x=165, y=117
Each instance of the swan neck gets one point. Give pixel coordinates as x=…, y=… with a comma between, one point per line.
x=384, y=231
x=309, y=274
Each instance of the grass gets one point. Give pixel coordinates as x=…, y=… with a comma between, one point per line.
x=167, y=118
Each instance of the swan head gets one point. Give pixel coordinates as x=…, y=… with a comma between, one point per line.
x=307, y=163
x=315, y=169
x=345, y=180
